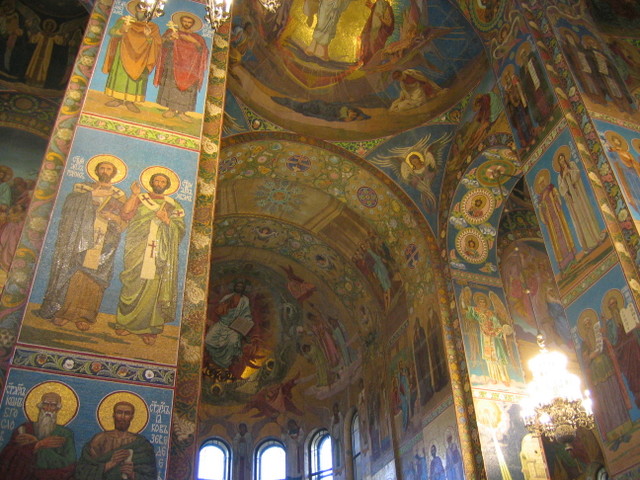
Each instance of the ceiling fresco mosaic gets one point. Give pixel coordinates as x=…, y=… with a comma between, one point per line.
x=353, y=71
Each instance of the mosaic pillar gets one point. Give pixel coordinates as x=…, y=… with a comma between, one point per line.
x=541, y=55
x=98, y=302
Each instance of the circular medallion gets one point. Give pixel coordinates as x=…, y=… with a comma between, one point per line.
x=367, y=196
x=228, y=164
x=412, y=255
x=496, y=171
x=471, y=245
x=486, y=15
x=477, y=205
x=298, y=163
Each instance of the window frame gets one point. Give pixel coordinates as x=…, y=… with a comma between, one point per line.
x=262, y=447
x=315, y=444
x=226, y=451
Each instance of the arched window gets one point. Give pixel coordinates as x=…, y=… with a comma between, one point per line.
x=214, y=460
x=271, y=461
x=355, y=447
x=320, y=455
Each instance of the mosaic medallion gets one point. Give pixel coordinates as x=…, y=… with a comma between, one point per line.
x=471, y=245
x=478, y=205
x=298, y=163
x=367, y=196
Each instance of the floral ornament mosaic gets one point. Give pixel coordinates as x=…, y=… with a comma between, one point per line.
x=93, y=367
x=332, y=171
x=279, y=196
x=367, y=196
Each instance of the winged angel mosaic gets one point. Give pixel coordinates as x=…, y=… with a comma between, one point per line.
x=417, y=165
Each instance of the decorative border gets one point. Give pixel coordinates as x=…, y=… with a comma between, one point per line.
x=93, y=367
x=141, y=132
x=183, y=447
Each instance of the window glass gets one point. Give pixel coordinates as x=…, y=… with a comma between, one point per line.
x=213, y=460
x=271, y=461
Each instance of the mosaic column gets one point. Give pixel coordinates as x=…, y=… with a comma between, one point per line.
x=96, y=302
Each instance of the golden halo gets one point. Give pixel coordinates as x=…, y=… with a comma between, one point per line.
x=543, y=178
x=524, y=49
x=610, y=135
x=478, y=295
x=417, y=154
x=613, y=293
x=140, y=416
x=587, y=319
x=635, y=143
x=131, y=7
x=197, y=23
x=147, y=173
x=118, y=163
x=68, y=396
x=562, y=150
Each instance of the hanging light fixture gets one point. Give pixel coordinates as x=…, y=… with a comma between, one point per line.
x=217, y=12
x=556, y=406
x=152, y=8
x=271, y=5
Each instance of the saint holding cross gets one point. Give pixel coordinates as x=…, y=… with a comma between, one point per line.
x=150, y=274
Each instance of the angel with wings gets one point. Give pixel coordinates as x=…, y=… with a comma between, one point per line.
x=417, y=165
x=46, y=36
x=494, y=327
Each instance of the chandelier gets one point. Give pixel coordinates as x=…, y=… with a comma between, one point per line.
x=556, y=406
x=217, y=11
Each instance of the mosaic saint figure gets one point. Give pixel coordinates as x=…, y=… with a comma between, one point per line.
x=132, y=54
x=41, y=449
x=118, y=454
x=551, y=214
x=534, y=84
x=328, y=14
x=224, y=340
x=88, y=236
x=377, y=29
x=242, y=444
x=415, y=89
x=626, y=167
x=573, y=191
x=422, y=363
x=494, y=331
x=606, y=384
x=453, y=460
x=436, y=469
x=148, y=298
x=181, y=67
x=45, y=39
x=625, y=344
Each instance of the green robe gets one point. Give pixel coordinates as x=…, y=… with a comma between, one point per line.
x=146, y=304
x=91, y=465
